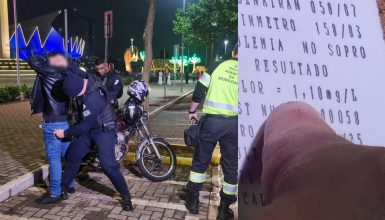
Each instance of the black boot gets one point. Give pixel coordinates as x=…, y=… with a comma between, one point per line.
x=192, y=202
x=48, y=199
x=71, y=190
x=224, y=211
x=127, y=203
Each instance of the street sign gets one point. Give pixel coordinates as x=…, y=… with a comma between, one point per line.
x=108, y=24
x=329, y=54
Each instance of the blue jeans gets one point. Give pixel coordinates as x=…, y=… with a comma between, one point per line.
x=55, y=150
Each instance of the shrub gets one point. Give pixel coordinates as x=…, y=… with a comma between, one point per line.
x=26, y=91
x=13, y=91
x=4, y=96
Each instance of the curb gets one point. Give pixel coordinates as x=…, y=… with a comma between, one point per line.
x=23, y=182
x=215, y=159
x=184, y=161
x=27, y=180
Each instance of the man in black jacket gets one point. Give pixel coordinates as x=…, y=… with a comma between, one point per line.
x=110, y=79
x=53, y=103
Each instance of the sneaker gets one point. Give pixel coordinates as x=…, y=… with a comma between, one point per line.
x=48, y=199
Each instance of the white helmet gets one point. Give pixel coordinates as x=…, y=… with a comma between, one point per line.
x=138, y=90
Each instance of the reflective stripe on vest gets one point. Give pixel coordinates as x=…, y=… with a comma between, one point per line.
x=221, y=106
x=197, y=177
x=229, y=189
x=205, y=79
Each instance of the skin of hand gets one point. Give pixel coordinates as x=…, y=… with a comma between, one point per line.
x=193, y=107
x=309, y=172
x=59, y=133
x=193, y=117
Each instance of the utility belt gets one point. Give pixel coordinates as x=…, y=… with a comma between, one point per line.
x=53, y=121
x=227, y=117
x=109, y=126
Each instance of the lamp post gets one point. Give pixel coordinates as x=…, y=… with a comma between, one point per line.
x=182, y=73
x=16, y=42
x=226, y=42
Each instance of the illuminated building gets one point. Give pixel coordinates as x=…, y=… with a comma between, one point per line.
x=37, y=37
x=53, y=42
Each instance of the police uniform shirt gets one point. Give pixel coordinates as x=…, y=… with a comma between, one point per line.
x=113, y=82
x=93, y=105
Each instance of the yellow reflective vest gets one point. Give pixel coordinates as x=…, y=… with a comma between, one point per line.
x=222, y=94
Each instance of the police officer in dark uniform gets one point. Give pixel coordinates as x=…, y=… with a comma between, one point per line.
x=97, y=125
x=110, y=79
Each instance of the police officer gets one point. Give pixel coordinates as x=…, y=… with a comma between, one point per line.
x=110, y=79
x=97, y=125
x=220, y=124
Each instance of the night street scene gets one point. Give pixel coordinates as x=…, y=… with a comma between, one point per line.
x=115, y=110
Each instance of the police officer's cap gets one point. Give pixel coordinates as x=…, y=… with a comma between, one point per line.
x=73, y=85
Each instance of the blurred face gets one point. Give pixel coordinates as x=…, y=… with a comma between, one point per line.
x=58, y=61
x=102, y=69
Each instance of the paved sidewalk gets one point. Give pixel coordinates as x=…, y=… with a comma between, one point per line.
x=95, y=199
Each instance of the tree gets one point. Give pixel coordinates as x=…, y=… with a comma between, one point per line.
x=147, y=37
x=205, y=22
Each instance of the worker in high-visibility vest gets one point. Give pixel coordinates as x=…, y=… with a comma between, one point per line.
x=218, y=87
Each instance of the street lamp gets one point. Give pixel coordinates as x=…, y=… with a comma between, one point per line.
x=226, y=42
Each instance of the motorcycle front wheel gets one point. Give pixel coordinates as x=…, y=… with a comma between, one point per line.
x=151, y=166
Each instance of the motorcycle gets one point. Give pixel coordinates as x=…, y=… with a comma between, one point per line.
x=154, y=156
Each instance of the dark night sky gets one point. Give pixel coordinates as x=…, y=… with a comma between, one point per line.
x=129, y=21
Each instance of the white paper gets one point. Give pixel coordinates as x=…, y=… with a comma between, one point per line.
x=346, y=59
